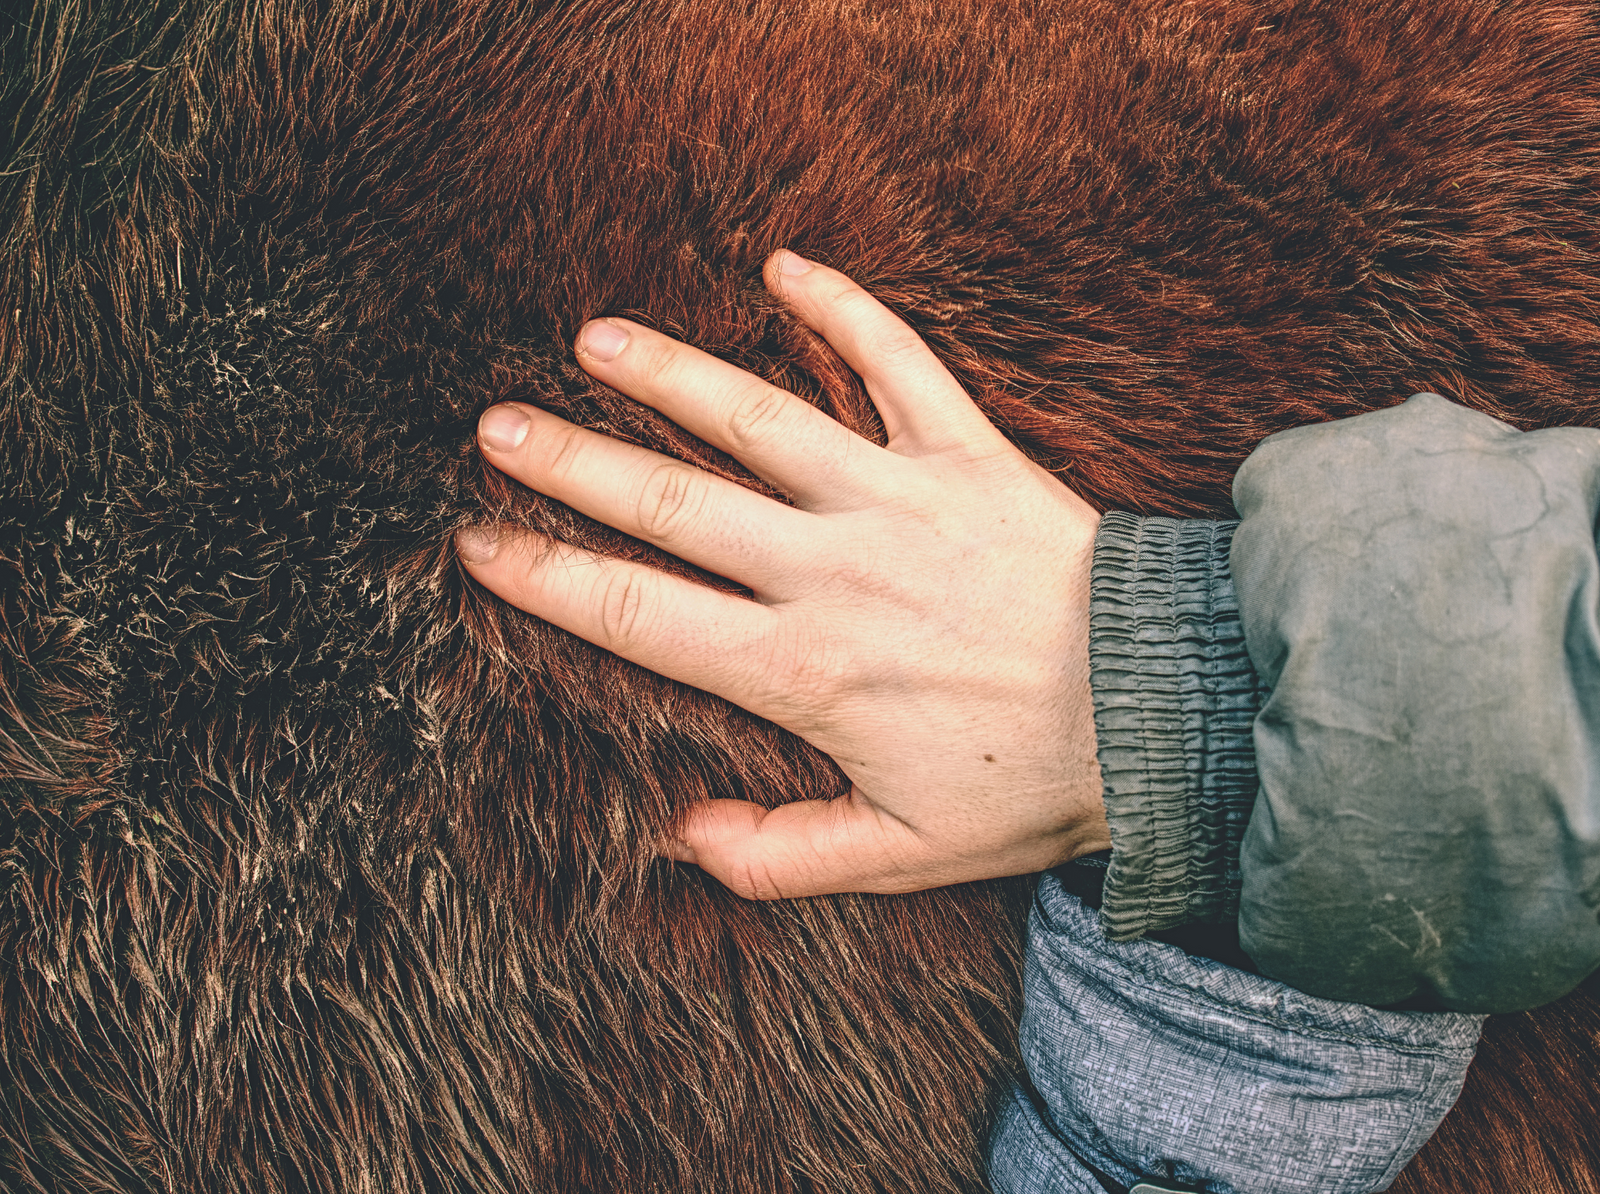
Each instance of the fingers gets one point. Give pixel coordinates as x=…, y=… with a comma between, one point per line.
x=702, y=518
x=810, y=847
x=817, y=847
x=777, y=436
x=681, y=629
x=924, y=409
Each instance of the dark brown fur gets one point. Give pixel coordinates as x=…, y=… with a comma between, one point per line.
x=323, y=871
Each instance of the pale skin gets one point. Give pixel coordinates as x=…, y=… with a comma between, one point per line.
x=920, y=612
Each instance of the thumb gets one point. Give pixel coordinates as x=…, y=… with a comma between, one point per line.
x=810, y=847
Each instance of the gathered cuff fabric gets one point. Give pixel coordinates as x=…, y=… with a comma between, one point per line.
x=1175, y=701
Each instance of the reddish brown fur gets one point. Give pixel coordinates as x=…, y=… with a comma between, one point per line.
x=1527, y=1120
x=322, y=871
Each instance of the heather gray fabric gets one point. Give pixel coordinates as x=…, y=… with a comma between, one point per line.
x=1175, y=697
x=1419, y=588
x=1149, y=1062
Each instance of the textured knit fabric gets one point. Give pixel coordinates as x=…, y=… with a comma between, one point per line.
x=1148, y=1062
x=1174, y=697
x=1419, y=587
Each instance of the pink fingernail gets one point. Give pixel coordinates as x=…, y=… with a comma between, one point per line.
x=602, y=340
x=477, y=545
x=793, y=265
x=503, y=428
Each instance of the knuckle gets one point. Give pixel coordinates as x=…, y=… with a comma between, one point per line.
x=624, y=608
x=749, y=882
x=896, y=344
x=880, y=331
x=566, y=454
x=841, y=293
x=750, y=876
x=817, y=674
x=659, y=361
x=669, y=499
x=754, y=415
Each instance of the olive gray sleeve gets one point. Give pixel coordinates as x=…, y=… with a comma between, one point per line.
x=1175, y=697
x=1419, y=589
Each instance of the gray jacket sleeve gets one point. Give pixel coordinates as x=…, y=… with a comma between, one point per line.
x=1417, y=590
x=1421, y=593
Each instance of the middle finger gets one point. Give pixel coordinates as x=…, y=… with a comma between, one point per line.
x=816, y=460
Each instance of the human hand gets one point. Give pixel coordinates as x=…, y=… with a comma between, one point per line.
x=920, y=613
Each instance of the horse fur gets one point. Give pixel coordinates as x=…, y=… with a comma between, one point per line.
x=322, y=870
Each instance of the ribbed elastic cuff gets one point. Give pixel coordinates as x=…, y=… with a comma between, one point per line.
x=1175, y=700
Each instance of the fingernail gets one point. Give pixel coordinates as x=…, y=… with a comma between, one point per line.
x=678, y=851
x=793, y=264
x=602, y=340
x=477, y=545
x=503, y=428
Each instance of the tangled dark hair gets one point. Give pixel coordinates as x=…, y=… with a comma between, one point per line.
x=320, y=870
